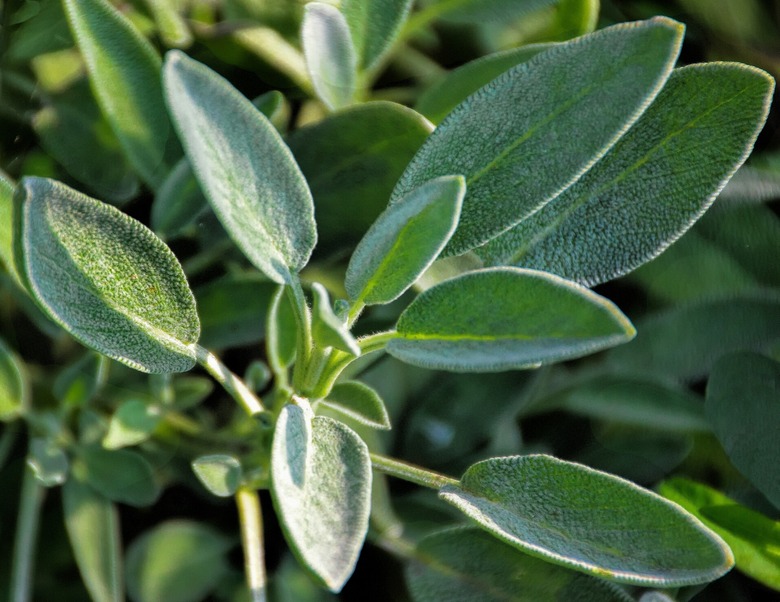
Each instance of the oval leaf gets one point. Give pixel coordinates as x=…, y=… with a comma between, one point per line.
x=374, y=25
x=533, y=131
x=405, y=241
x=505, y=318
x=105, y=278
x=120, y=475
x=13, y=385
x=133, y=422
x=220, y=474
x=247, y=173
x=359, y=402
x=589, y=521
x=48, y=462
x=321, y=488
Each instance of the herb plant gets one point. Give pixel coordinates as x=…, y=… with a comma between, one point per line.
x=344, y=256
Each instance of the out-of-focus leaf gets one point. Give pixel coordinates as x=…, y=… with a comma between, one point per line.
x=220, y=474
x=77, y=383
x=48, y=462
x=47, y=31
x=14, y=393
x=171, y=25
x=120, y=475
x=471, y=11
x=132, y=423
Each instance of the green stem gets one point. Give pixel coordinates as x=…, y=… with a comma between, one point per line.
x=229, y=381
x=410, y=472
x=303, y=322
x=251, y=520
x=376, y=342
x=26, y=536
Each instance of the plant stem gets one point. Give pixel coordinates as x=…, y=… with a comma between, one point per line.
x=26, y=536
x=375, y=342
x=251, y=520
x=229, y=381
x=410, y=472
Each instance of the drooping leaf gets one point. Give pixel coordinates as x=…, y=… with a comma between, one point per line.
x=359, y=402
x=177, y=561
x=589, y=521
x=374, y=25
x=120, y=475
x=404, y=241
x=321, y=484
x=48, y=462
x=14, y=393
x=743, y=408
x=132, y=423
x=92, y=523
x=465, y=564
x=105, y=278
x=124, y=71
x=611, y=221
x=220, y=473
x=505, y=318
x=328, y=330
x=513, y=139
x=261, y=198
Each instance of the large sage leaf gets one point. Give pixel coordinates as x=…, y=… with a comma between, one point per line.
x=504, y=318
x=694, y=136
x=124, y=71
x=532, y=132
x=92, y=523
x=374, y=25
x=14, y=393
x=466, y=564
x=743, y=408
x=589, y=521
x=105, y=278
x=404, y=241
x=247, y=173
x=321, y=488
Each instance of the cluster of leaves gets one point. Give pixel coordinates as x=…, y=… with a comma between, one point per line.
x=463, y=235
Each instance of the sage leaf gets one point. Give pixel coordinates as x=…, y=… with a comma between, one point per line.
x=752, y=537
x=404, y=241
x=491, y=11
x=219, y=473
x=105, y=278
x=170, y=24
x=321, y=489
x=124, y=72
x=327, y=329
x=260, y=197
x=466, y=564
x=281, y=332
x=120, y=475
x=78, y=383
x=505, y=318
x=611, y=221
x=744, y=411
x=330, y=54
x=374, y=25
x=512, y=139
x=589, y=521
x=48, y=462
x=14, y=390
x=359, y=402
x=132, y=423
x=179, y=202
x=92, y=523
x=7, y=228
x=177, y=561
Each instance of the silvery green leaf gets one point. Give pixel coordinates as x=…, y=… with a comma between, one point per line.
x=105, y=278
x=48, y=462
x=219, y=473
x=532, y=132
x=589, y=521
x=14, y=390
x=260, y=197
x=505, y=318
x=120, y=475
x=374, y=25
x=404, y=241
x=131, y=424
x=281, y=331
x=328, y=329
x=359, y=402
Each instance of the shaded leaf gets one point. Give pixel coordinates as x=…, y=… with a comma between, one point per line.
x=219, y=473
x=132, y=423
x=359, y=402
x=120, y=475
x=328, y=329
x=374, y=25
x=78, y=383
x=282, y=331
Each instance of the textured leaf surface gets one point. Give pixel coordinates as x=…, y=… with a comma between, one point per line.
x=259, y=196
x=466, y=564
x=404, y=241
x=219, y=473
x=513, y=139
x=124, y=71
x=589, y=521
x=282, y=331
x=328, y=329
x=359, y=402
x=132, y=423
x=330, y=54
x=374, y=25
x=105, y=278
x=470, y=11
x=92, y=523
x=321, y=487
x=743, y=408
x=505, y=318
x=120, y=475
x=13, y=386
x=688, y=143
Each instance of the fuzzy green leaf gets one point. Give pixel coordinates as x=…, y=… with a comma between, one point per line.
x=532, y=132
x=92, y=523
x=219, y=473
x=466, y=564
x=358, y=402
x=374, y=25
x=132, y=423
x=589, y=521
x=505, y=318
x=120, y=475
x=744, y=410
x=694, y=136
x=327, y=329
x=404, y=241
x=14, y=392
x=321, y=488
x=260, y=197
x=105, y=278
x=281, y=331
x=124, y=71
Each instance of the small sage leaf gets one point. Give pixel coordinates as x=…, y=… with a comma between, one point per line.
x=281, y=331
x=120, y=475
x=170, y=24
x=374, y=25
x=92, y=523
x=260, y=197
x=330, y=54
x=321, y=489
x=359, y=402
x=327, y=329
x=589, y=521
x=532, y=132
x=132, y=423
x=48, y=462
x=14, y=392
x=505, y=318
x=105, y=278
x=78, y=383
x=220, y=473
x=404, y=241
